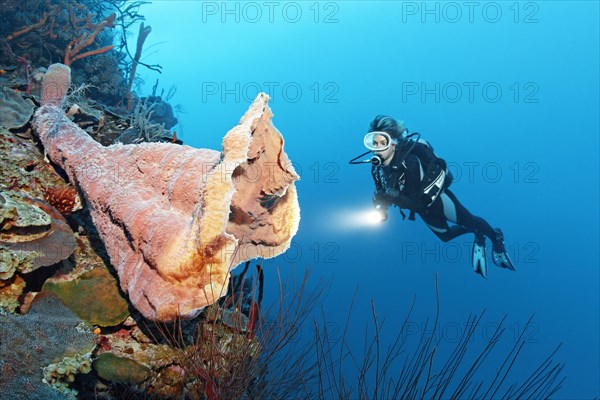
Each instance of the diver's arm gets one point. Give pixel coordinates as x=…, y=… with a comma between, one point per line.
x=410, y=196
x=408, y=202
x=433, y=181
x=435, y=173
x=380, y=199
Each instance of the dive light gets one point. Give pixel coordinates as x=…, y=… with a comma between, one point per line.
x=381, y=213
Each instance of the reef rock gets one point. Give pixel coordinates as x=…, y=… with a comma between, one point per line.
x=15, y=111
x=175, y=219
x=48, y=334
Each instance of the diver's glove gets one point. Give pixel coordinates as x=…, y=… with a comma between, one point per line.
x=381, y=202
x=382, y=212
x=394, y=197
x=382, y=198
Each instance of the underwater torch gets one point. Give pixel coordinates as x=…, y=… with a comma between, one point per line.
x=378, y=215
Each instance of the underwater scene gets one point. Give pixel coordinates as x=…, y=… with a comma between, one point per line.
x=220, y=200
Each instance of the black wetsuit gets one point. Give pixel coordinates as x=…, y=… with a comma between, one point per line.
x=402, y=183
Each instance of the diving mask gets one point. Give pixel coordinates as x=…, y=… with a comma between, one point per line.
x=378, y=141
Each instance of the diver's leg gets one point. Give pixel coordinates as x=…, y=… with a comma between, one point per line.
x=437, y=216
x=480, y=227
x=470, y=222
x=450, y=233
x=458, y=213
x=451, y=214
x=447, y=208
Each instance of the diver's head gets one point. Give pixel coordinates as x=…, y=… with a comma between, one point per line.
x=382, y=145
x=383, y=137
x=388, y=124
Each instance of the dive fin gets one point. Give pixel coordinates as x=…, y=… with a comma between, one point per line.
x=502, y=260
x=499, y=255
x=478, y=256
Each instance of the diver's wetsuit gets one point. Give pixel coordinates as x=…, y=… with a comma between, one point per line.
x=402, y=183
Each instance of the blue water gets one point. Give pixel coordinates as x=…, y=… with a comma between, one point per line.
x=506, y=92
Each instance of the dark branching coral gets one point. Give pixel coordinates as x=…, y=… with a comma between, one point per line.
x=428, y=368
x=107, y=85
x=38, y=33
x=244, y=356
x=29, y=343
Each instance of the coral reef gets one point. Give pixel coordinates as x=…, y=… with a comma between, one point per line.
x=182, y=368
x=173, y=221
x=30, y=237
x=38, y=33
x=196, y=193
x=92, y=37
x=48, y=334
x=177, y=218
x=23, y=167
x=47, y=352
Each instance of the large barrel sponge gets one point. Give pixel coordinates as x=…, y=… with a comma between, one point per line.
x=175, y=219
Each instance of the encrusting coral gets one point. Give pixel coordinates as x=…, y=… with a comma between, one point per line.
x=175, y=219
x=10, y=290
x=62, y=373
x=93, y=296
x=32, y=234
x=120, y=369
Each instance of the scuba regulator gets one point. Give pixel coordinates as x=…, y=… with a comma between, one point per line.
x=374, y=160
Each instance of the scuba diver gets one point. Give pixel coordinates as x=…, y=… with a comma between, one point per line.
x=409, y=175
